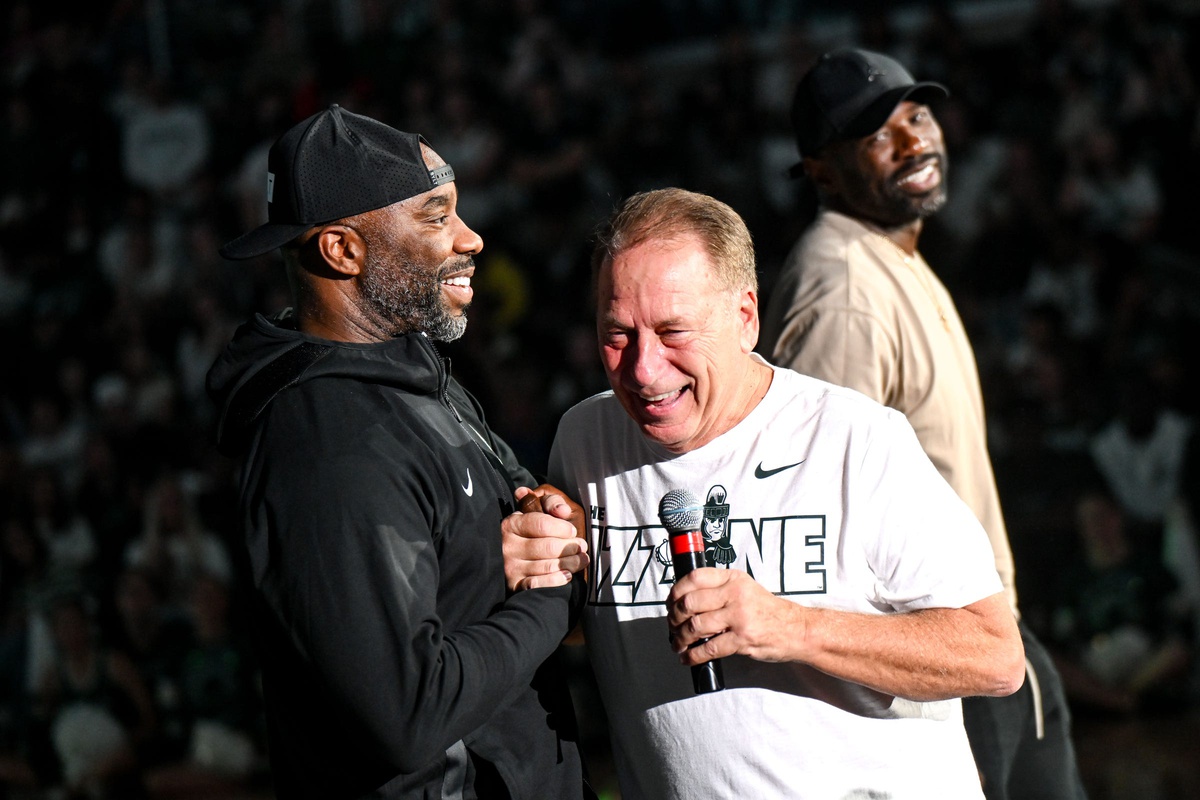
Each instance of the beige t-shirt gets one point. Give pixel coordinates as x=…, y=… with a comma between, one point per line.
x=852, y=308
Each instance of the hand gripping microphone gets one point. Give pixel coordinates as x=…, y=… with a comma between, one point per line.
x=680, y=513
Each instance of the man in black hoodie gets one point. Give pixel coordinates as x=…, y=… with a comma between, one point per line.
x=396, y=662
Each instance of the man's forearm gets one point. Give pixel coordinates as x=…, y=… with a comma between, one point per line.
x=932, y=654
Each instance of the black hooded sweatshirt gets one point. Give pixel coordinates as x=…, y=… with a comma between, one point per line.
x=395, y=663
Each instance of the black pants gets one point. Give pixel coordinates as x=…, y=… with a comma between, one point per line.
x=1022, y=743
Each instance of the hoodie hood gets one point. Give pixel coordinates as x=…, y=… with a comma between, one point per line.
x=267, y=356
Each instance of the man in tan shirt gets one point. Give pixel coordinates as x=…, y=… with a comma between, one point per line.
x=857, y=305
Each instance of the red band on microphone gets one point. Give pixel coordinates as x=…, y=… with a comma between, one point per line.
x=690, y=542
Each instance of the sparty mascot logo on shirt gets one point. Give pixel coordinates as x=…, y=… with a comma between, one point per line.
x=718, y=552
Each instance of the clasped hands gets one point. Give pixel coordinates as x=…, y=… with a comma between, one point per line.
x=544, y=543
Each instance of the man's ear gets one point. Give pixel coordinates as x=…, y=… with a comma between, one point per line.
x=748, y=319
x=342, y=248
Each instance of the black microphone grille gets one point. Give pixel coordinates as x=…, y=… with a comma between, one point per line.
x=679, y=510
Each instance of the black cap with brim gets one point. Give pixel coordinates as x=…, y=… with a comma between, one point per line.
x=849, y=94
x=333, y=165
x=262, y=239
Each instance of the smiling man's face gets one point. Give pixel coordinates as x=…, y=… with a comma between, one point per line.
x=419, y=262
x=894, y=176
x=675, y=343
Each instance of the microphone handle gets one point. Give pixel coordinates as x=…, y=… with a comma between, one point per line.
x=687, y=554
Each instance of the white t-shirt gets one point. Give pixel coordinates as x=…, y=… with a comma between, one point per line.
x=826, y=498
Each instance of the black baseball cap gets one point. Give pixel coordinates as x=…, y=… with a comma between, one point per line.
x=849, y=93
x=332, y=165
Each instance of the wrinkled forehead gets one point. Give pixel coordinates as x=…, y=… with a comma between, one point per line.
x=658, y=292
x=657, y=265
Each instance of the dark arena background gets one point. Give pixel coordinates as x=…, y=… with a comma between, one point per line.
x=134, y=142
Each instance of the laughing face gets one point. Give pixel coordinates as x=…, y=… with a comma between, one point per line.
x=896, y=175
x=675, y=343
x=419, y=263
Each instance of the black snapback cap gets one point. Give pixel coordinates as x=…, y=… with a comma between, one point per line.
x=850, y=93
x=332, y=165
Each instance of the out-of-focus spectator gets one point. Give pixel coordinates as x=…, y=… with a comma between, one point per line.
x=1140, y=450
x=1109, y=187
x=20, y=150
x=108, y=496
x=139, y=253
x=53, y=516
x=1124, y=634
x=96, y=706
x=217, y=682
x=174, y=546
x=1181, y=547
x=165, y=141
x=26, y=651
x=146, y=425
x=54, y=438
x=1048, y=370
x=1066, y=275
x=155, y=638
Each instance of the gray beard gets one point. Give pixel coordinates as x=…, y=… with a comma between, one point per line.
x=410, y=299
x=905, y=208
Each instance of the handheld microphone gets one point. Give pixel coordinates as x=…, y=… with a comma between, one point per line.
x=680, y=513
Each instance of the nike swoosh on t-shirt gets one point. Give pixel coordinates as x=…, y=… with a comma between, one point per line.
x=759, y=472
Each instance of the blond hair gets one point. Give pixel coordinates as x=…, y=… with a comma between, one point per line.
x=671, y=215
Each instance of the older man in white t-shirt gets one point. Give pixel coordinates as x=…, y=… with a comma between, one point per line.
x=857, y=599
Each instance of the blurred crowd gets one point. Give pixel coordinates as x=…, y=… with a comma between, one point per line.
x=134, y=143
